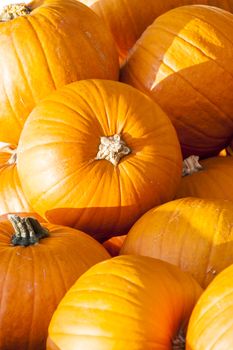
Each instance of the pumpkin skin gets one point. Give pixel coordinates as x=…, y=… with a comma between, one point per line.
x=33, y=280
x=12, y=198
x=62, y=179
x=149, y=298
x=176, y=61
x=213, y=181
x=78, y=46
x=223, y=153
x=114, y=244
x=194, y=234
x=210, y=326
x=128, y=19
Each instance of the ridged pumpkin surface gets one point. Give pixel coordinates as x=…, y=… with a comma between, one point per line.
x=63, y=180
x=12, y=198
x=58, y=42
x=210, y=326
x=214, y=180
x=33, y=280
x=128, y=19
x=183, y=61
x=192, y=233
x=127, y=302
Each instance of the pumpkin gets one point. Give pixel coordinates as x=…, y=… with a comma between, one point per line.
x=43, y=46
x=128, y=19
x=12, y=198
x=194, y=234
x=208, y=178
x=96, y=155
x=210, y=326
x=176, y=61
x=127, y=302
x=38, y=264
x=114, y=244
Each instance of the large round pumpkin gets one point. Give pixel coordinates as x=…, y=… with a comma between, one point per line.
x=12, y=198
x=43, y=46
x=128, y=19
x=184, y=62
x=37, y=266
x=96, y=155
x=209, y=178
x=210, y=326
x=192, y=233
x=127, y=302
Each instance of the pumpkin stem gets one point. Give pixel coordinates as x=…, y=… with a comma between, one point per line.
x=112, y=148
x=13, y=151
x=13, y=158
x=28, y=231
x=191, y=165
x=178, y=343
x=12, y=11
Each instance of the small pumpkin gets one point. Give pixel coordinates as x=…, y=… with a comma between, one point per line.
x=127, y=302
x=207, y=178
x=44, y=45
x=176, y=61
x=194, y=234
x=96, y=155
x=38, y=264
x=210, y=326
x=128, y=19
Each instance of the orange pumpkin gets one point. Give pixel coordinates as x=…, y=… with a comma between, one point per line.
x=183, y=61
x=127, y=302
x=210, y=326
x=194, y=234
x=128, y=19
x=12, y=198
x=211, y=179
x=34, y=277
x=48, y=44
x=114, y=244
x=96, y=155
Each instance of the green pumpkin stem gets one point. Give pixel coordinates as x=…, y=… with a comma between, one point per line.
x=28, y=231
x=12, y=11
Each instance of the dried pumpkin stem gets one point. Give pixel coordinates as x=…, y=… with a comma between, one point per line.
x=178, y=343
x=13, y=158
x=28, y=231
x=112, y=148
x=12, y=11
x=13, y=151
x=191, y=165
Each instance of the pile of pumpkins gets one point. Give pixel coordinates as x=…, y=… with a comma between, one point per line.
x=116, y=168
